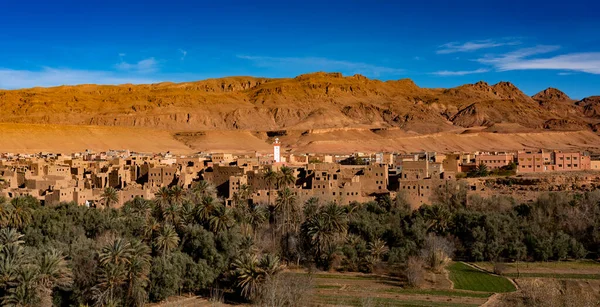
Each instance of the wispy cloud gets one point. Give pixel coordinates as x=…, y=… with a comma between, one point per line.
x=454, y=47
x=148, y=65
x=309, y=64
x=13, y=79
x=183, y=54
x=565, y=73
x=517, y=55
x=530, y=59
x=460, y=72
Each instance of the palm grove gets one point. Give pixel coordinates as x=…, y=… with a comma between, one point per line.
x=188, y=241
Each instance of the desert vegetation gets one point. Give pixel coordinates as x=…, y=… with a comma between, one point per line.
x=188, y=241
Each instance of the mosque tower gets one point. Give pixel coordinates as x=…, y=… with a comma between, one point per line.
x=277, y=151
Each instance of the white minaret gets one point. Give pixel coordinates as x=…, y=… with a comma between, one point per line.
x=276, y=151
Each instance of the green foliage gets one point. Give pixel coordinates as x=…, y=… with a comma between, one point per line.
x=109, y=197
x=480, y=171
x=508, y=170
x=251, y=272
x=187, y=241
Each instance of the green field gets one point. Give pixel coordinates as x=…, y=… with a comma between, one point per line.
x=378, y=301
x=468, y=278
x=554, y=275
x=551, y=265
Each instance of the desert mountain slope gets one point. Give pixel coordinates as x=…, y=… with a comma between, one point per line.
x=551, y=94
x=311, y=101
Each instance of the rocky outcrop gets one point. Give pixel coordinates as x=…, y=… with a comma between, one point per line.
x=591, y=106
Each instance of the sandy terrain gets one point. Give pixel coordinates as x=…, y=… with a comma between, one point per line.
x=32, y=138
x=225, y=141
x=397, y=140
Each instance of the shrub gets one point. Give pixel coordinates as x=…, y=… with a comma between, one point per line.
x=285, y=290
x=500, y=268
x=414, y=271
x=437, y=252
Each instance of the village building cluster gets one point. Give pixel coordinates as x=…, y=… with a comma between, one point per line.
x=82, y=177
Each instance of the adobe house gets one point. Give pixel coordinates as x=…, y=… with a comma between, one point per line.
x=131, y=193
x=495, y=161
x=162, y=176
x=544, y=161
x=222, y=158
x=219, y=176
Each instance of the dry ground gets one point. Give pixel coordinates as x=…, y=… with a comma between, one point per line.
x=585, y=268
x=30, y=138
x=33, y=138
x=351, y=289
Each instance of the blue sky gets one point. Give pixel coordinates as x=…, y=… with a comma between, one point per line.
x=534, y=44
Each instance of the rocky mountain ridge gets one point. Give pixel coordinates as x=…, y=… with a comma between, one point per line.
x=310, y=101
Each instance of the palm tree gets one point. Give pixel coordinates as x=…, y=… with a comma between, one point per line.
x=245, y=191
x=9, y=266
x=53, y=272
x=377, y=249
x=257, y=216
x=240, y=198
x=270, y=178
x=311, y=207
x=11, y=261
x=335, y=217
x=437, y=218
x=4, y=213
x=206, y=207
x=117, y=252
x=20, y=214
x=317, y=231
x=25, y=293
x=140, y=206
x=286, y=177
x=137, y=273
x=187, y=212
x=12, y=257
x=270, y=264
x=111, y=279
x=177, y=194
x=10, y=236
x=249, y=275
x=285, y=205
x=171, y=214
x=237, y=200
x=221, y=219
x=109, y=197
x=203, y=188
x=167, y=239
x=162, y=197
x=151, y=228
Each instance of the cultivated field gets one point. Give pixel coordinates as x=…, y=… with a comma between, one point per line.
x=558, y=270
x=464, y=284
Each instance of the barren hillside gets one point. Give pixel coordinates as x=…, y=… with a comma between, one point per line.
x=312, y=101
x=305, y=107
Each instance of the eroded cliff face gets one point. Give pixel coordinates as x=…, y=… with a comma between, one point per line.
x=311, y=101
